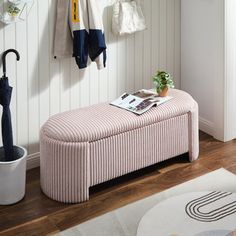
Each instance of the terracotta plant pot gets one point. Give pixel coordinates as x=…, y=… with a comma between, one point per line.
x=164, y=92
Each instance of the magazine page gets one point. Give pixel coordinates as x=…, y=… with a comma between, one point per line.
x=146, y=104
x=127, y=101
x=144, y=93
x=139, y=102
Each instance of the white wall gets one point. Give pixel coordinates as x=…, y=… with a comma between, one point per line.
x=230, y=69
x=202, y=60
x=44, y=86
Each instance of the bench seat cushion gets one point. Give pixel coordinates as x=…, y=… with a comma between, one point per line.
x=103, y=120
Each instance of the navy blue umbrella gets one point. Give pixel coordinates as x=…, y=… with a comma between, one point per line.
x=5, y=99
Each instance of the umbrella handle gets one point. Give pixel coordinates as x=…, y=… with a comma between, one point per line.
x=4, y=59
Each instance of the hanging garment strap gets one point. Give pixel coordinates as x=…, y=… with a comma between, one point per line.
x=62, y=40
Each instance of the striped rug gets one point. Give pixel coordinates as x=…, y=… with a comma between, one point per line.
x=204, y=206
x=198, y=213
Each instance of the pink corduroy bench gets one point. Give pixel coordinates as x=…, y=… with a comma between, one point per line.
x=91, y=145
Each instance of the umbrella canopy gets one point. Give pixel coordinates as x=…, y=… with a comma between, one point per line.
x=5, y=99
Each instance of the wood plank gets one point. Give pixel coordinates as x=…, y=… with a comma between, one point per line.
x=170, y=36
x=148, y=46
x=84, y=76
x=103, y=74
x=121, y=64
x=93, y=84
x=155, y=36
x=43, y=60
x=33, y=79
x=112, y=58
x=130, y=83
x=22, y=84
x=162, y=35
x=138, y=59
x=54, y=66
x=65, y=84
x=39, y=227
x=177, y=41
x=75, y=85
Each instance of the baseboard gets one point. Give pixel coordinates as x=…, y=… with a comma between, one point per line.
x=206, y=126
x=33, y=161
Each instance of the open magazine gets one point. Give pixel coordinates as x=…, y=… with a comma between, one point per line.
x=140, y=101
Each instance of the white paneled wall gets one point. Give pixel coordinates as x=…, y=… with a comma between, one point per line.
x=44, y=86
x=203, y=58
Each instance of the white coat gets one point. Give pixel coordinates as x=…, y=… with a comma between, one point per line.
x=79, y=32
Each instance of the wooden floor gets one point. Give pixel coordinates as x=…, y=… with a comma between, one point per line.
x=38, y=215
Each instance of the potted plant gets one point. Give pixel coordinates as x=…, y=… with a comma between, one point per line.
x=12, y=158
x=163, y=81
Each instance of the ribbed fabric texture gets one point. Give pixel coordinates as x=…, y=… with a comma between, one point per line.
x=64, y=170
x=103, y=120
x=133, y=150
x=88, y=146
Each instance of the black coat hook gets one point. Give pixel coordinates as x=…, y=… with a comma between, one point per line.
x=4, y=59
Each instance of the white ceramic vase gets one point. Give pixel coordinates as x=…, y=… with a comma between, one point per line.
x=13, y=177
